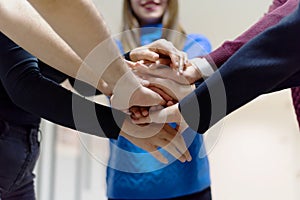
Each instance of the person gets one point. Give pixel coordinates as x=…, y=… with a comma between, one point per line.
x=94, y=57
x=277, y=10
x=30, y=90
x=260, y=66
x=132, y=174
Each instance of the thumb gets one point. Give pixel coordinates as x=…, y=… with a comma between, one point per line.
x=130, y=64
x=148, y=55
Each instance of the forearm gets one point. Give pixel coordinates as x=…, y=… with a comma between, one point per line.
x=58, y=105
x=92, y=41
x=31, y=91
x=59, y=77
x=20, y=22
x=277, y=11
x=259, y=67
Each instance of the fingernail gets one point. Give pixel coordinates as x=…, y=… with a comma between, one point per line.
x=145, y=113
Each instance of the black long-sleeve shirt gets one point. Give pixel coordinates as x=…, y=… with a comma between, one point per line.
x=28, y=92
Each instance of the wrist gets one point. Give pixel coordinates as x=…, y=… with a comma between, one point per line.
x=117, y=71
x=124, y=89
x=203, y=68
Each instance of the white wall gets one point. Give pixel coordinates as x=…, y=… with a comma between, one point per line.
x=218, y=20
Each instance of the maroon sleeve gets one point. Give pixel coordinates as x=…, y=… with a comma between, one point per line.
x=278, y=10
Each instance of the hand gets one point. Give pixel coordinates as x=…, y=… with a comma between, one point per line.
x=175, y=90
x=138, y=111
x=187, y=77
x=157, y=135
x=127, y=95
x=140, y=96
x=165, y=115
x=160, y=49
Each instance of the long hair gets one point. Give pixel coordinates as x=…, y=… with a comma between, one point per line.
x=172, y=30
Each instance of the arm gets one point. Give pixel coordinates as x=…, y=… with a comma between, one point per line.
x=29, y=90
x=20, y=22
x=261, y=66
x=25, y=26
x=34, y=93
x=80, y=86
x=93, y=43
x=81, y=17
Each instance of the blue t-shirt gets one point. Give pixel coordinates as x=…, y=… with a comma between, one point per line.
x=132, y=173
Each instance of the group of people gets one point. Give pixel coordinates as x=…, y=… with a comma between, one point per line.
x=40, y=37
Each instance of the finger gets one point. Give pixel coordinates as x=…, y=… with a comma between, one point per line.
x=145, y=83
x=142, y=120
x=161, y=116
x=133, y=117
x=170, y=103
x=183, y=61
x=152, y=149
x=147, y=55
x=152, y=98
x=130, y=64
x=185, y=65
x=175, y=61
x=180, y=144
x=144, y=111
x=141, y=67
x=155, y=65
x=187, y=156
x=181, y=65
x=155, y=108
x=170, y=148
x=164, y=95
x=157, y=155
x=161, y=62
x=183, y=155
x=185, y=58
x=165, y=61
x=135, y=111
x=177, y=141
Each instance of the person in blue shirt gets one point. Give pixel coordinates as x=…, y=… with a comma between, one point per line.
x=131, y=172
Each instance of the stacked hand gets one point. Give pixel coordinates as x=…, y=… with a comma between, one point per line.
x=166, y=76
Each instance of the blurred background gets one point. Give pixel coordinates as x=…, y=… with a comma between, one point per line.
x=257, y=152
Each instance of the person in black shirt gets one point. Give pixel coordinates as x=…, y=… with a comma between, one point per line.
x=29, y=90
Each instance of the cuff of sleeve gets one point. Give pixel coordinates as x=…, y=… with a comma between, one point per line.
x=111, y=122
x=218, y=57
x=127, y=56
x=203, y=66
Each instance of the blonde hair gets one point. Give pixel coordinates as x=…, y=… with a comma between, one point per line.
x=172, y=30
